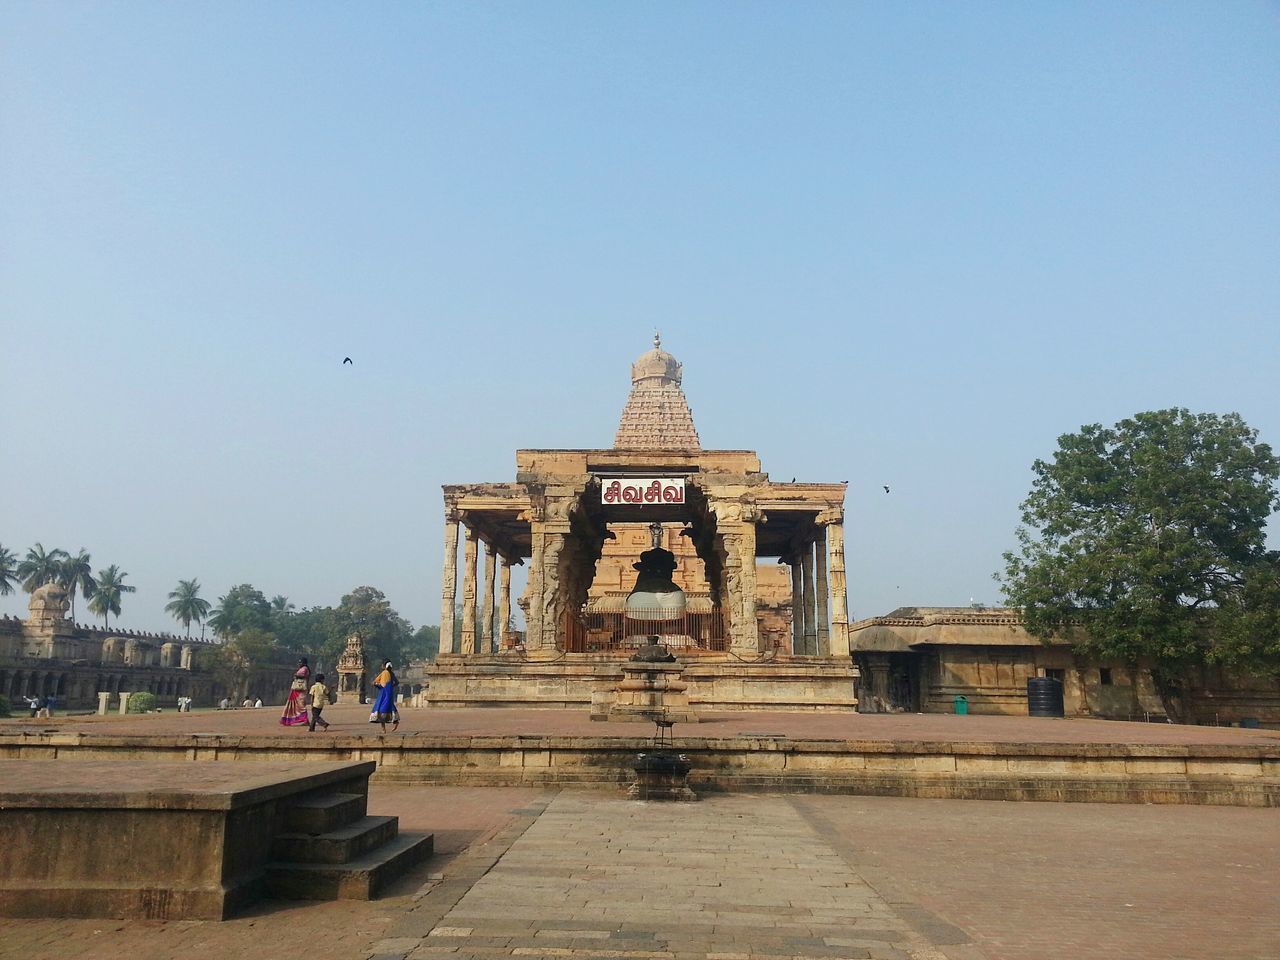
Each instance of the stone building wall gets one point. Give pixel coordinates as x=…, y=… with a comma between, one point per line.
x=921, y=659
x=48, y=655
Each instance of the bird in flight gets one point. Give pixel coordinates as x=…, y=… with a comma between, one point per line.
x=347, y=360
x=886, y=489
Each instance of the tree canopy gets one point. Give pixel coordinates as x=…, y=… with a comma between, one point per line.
x=77, y=575
x=40, y=566
x=8, y=571
x=1146, y=541
x=107, y=591
x=242, y=608
x=186, y=604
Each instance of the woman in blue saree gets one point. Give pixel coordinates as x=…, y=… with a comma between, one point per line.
x=384, y=707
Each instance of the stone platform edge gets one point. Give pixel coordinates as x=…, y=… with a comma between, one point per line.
x=1227, y=774
x=179, y=797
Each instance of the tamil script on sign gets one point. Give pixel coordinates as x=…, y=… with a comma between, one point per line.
x=646, y=490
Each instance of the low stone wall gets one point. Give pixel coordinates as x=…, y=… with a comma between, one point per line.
x=580, y=680
x=1236, y=775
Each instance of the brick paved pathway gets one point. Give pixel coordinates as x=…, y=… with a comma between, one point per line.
x=577, y=875
x=728, y=878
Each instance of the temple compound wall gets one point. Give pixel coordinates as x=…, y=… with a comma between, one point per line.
x=580, y=518
x=919, y=659
x=47, y=655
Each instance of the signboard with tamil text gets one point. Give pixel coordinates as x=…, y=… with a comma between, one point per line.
x=642, y=490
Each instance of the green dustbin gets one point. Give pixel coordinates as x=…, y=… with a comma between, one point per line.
x=962, y=705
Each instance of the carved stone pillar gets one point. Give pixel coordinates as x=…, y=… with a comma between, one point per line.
x=533, y=613
x=449, y=592
x=551, y=592
x=834, y=522
x=747, y=644
x=821, y=590
x=797, y=608
x=488, y=644
x=743, y=634
x=502, y=616
x=469, y=594
x=806, y=571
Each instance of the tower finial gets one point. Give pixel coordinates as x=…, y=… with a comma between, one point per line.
x=657, y=340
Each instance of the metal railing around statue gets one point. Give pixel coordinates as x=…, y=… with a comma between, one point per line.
x=617, y=631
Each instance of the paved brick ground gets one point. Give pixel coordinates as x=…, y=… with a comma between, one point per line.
x=460, y=819
x=1052, y=881
x=525, y=873
x=352, y=720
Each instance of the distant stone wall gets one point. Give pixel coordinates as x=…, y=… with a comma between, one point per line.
x=47, y=656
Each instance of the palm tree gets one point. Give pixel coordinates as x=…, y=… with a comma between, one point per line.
x=40, y=567
x=106, y=596
x=281, y=605
x=77, y=575
x=8, y=571
x=186, y=605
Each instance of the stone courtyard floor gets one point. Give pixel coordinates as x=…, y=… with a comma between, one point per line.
x=577, y=875
x=352, y=720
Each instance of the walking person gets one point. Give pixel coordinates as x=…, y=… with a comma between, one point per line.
x=319, y=698
x=384, y=708
x=295, y=712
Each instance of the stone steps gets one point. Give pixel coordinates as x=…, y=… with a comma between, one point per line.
x=325, y=813
x=336, y=846
x=333, y=850
x=361, y=878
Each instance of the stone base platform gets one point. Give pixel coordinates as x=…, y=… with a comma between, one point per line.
x=115, y=836
x=715, y=682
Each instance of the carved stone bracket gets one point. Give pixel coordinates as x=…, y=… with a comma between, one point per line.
x=829, y=516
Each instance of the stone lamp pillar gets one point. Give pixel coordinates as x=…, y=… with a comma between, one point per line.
x=652, y=688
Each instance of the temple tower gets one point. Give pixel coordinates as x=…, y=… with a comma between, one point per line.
x=657, y=415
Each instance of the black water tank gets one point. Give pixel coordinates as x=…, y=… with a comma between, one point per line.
x=1044, y=697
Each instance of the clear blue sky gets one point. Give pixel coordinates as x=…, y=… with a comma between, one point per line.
x=894, y=244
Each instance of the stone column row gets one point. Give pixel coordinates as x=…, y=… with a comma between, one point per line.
x=484, y=619
x=819, y=607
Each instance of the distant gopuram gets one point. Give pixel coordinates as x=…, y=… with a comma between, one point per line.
x=752, y=634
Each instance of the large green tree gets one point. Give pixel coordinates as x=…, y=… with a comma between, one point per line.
x=232, y=663
x=108, y=591
x=8, y=571
x=76, y=576
x=425, y=644
x=243, y=607
x=1145, y=542
x=186, y=604
x=366, y=610
x=40, y=566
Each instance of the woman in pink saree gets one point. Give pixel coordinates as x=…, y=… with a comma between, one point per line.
x=295, y=708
